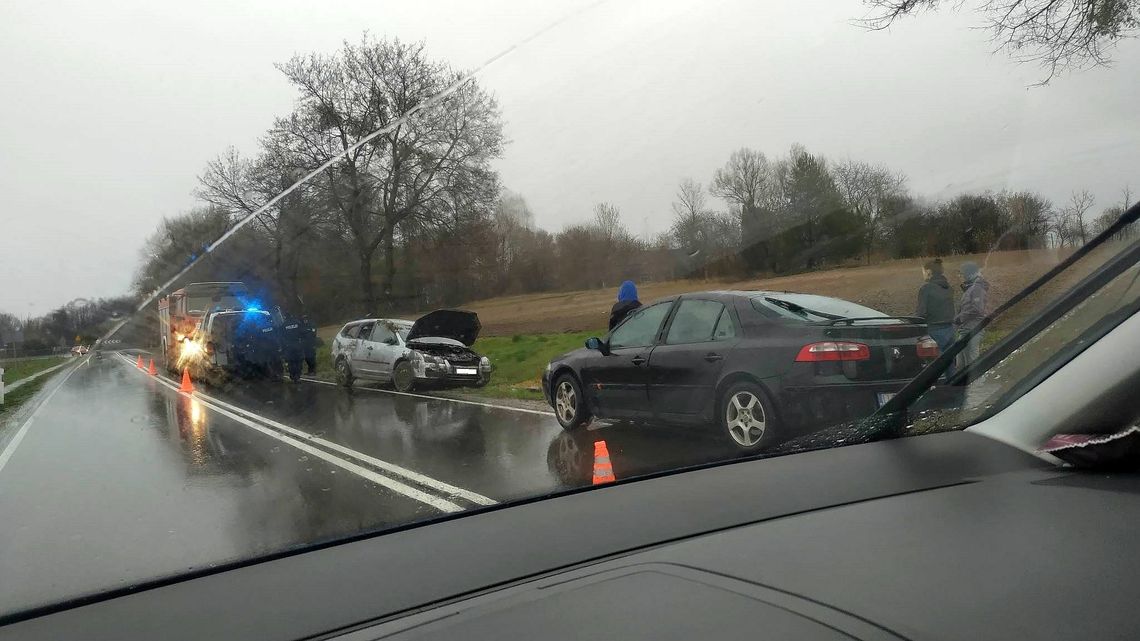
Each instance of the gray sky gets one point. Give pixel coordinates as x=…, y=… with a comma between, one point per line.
x=112, y=109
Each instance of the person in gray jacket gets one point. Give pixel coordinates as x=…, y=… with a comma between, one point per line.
x=971, y=310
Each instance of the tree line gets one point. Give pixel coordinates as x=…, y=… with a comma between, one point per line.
x=78, y=322
x=417, y=217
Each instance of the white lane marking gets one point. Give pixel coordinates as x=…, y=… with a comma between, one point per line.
x=234, y=411
x=436, y=398
x=428, y=481
x=15, y=442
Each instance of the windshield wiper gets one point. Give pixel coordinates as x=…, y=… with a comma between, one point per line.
x=927, y=377
x=800, y=309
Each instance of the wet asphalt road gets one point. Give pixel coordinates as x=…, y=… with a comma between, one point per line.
x=119, y=479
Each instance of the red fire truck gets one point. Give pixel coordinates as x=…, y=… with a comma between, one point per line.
x=180, y=314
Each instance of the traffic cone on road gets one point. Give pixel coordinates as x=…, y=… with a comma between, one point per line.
x=603, y=471
x=138, y=363
x=186, y=386
x=151, y=370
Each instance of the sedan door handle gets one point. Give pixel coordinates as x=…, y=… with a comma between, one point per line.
x=637, y=360
x=713, y=357
x=370, y=348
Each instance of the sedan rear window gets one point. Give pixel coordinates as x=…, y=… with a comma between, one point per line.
x=808, y=304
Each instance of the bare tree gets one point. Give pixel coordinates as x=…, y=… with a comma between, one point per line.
x=866, y=189
x=241, y=186
x=1070, y=223
x=607, y=218
x=1057, y=34
x=413, y=176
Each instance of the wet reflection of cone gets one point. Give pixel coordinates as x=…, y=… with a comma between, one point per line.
x=151, y=370
x=603, y=471
x=138, y=363
x=187, y=386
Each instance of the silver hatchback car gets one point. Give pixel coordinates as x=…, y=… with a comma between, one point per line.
x=435, y=350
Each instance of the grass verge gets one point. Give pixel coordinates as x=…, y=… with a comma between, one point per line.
x=13, y=400
x=17, y=369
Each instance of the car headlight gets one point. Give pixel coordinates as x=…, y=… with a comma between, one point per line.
x=485, y=364
x=416, y=357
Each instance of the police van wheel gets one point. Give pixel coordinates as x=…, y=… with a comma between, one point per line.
x=344, y=375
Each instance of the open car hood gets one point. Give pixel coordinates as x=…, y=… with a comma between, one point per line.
x=457, y=324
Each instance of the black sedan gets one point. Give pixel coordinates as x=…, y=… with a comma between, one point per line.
x=761, y=366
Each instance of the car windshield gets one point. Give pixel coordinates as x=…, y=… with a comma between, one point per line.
x=643, y=237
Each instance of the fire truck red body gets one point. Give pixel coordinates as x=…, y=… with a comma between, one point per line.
x=180, y=313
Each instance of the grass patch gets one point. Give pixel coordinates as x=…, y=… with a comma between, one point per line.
x=19, y=369
x=519, y=360
x=14, y=399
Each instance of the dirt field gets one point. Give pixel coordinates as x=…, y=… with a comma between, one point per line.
x=890, y=287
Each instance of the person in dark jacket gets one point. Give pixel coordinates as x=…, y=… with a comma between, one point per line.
x=309, y=342
x=936, y=304
x=626, y=303
x=971, y=310
x=292, y=347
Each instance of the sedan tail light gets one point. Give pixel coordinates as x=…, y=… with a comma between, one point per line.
x=833, y=351
x=927, y=348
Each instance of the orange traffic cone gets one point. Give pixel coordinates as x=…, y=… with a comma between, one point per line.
x=138, y=363
x=151, y=370
x=187, y=386
x=603, y=471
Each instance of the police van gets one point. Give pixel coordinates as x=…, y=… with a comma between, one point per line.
x=240, y=343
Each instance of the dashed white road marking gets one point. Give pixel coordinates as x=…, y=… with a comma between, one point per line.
x=300, y=440
x=435, y=398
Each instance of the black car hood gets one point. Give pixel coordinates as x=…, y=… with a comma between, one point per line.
x=457, y=324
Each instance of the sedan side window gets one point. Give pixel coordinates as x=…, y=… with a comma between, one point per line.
x=383, y=334
x=352, y=331
x=641, y=327
x=365, y=331
x=725, y=329
x=695, y=322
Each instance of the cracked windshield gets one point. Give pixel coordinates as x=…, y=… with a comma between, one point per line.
x=281, y=274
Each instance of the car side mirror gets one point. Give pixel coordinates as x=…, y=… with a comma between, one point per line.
x=390, y=341
x=596, y=343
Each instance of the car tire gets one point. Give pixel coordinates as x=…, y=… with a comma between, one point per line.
x=344, y=375
x=569, y=403
x=746, y=417
x=403, y=377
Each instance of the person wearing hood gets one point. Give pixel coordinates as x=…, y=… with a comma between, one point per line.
x=936, y=304
x=626, y=303
x=972, y=309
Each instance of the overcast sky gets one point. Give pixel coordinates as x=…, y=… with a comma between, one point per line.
x=111, y=110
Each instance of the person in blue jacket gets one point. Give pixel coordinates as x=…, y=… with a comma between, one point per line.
x=626, y=303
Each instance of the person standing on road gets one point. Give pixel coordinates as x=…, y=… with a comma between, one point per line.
x=936, y=304
x=292, y=347
x=309, y=343
x=626, y=303
x=972, y=309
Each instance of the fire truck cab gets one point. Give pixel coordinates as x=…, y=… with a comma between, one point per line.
x=180, y=314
